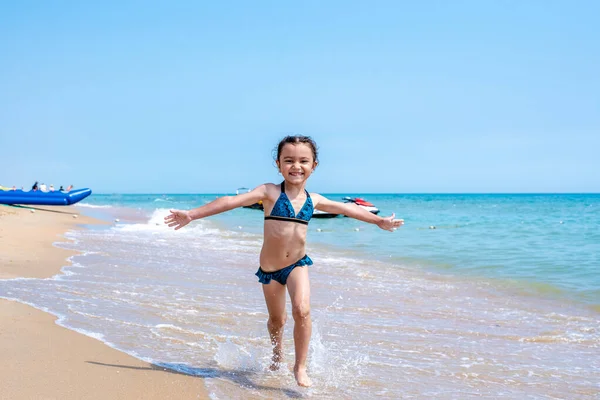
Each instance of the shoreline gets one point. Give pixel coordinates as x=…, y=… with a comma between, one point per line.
x=41, y=359
x=453, y=328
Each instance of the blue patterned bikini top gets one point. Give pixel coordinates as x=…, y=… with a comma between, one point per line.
x=284, y=211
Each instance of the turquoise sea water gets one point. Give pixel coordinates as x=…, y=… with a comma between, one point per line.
x=500, y=300
x=544, y=243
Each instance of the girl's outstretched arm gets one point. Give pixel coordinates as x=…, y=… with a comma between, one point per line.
x=352, y=210
x=180, y=218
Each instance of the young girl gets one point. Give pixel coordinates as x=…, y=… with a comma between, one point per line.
x=283, y=262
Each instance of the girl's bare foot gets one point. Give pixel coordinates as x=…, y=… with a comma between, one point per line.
x=302, y=377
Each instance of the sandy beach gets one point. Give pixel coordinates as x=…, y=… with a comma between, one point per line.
x=42, y=360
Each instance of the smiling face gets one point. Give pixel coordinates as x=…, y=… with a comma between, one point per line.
x=296, y=162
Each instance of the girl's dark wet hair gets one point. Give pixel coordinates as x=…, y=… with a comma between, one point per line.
x=295, y=140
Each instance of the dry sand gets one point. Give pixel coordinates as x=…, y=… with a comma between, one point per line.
x=42, y=360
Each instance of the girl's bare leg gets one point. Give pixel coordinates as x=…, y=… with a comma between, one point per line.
x=275, y=298
x=299, y=289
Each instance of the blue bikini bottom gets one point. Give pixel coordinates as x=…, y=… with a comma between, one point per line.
x=281, y=275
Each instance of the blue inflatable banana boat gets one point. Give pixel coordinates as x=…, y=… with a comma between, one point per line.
x=37, y=197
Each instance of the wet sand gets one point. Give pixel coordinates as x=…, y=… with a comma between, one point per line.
x=40, y=359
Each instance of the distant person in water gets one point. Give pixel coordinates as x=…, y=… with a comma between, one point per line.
x=288, y=208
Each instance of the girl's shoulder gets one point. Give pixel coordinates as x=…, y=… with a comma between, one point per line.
x=267, y=186
x=272, y=189
x=272, y=186
x=316, y=197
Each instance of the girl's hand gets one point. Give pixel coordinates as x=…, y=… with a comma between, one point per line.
x=389, y=223
x=178, y=219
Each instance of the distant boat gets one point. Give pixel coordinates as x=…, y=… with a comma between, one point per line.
x=323, y=214
x=37, y=197
x=362, y=203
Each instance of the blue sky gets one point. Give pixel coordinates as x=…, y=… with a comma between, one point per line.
x=191, y=97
